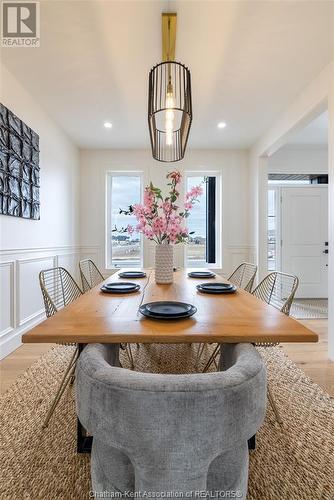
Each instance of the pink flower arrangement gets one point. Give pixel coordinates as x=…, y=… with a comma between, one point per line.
x=160, y=218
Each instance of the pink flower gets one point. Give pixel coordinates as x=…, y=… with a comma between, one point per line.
x=175, y=176
x=141, y=225
x=158, y=225
x=148, y=198
x=148, y=233
x=194, y=192
x=138, y=210
x=160, y=219
x=166, y=207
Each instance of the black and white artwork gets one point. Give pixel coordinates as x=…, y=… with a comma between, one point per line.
x=19, y=167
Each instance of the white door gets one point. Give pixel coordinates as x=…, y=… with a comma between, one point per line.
x=304, y=235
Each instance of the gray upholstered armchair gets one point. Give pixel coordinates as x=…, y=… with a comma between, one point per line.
x=179, y=433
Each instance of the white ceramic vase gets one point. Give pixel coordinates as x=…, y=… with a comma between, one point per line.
x=164, y=264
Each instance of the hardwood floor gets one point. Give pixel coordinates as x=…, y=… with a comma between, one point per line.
x=311, y=358
x=18, y=362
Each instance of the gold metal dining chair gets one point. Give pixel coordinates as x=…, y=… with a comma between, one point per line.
x=242, y=277
x=59, y=289
x=277, y=289
x=90, y=274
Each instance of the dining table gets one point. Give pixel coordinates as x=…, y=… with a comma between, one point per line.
x=98, y=317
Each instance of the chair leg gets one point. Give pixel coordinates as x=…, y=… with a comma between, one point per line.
x=274, y=407
x=212, y=358
x=129, y=355
x=72, y=379
x=68, y=375
x=199, y=353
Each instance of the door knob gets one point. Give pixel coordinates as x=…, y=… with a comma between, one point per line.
x=325, y=251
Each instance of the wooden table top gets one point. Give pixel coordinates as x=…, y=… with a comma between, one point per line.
x=113, y=318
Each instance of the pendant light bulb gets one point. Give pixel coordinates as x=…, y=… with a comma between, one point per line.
x=169, y=117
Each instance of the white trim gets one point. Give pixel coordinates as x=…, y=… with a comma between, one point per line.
x=11, y=265
x=38, y=314
x=18, y=251
x=37, y=259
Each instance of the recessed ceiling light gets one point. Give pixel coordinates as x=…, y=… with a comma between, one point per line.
x=221, y=125
x=107, y=124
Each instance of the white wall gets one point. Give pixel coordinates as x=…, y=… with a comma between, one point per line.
x=299, y=160
x=27, y=246
x=233, y=166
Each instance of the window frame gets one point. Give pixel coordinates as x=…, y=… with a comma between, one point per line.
x=108, y=217
x=219, y=228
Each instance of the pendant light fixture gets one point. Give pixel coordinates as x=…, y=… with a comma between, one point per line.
x=169, y=99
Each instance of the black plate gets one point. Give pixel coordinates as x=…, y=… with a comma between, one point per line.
x=201, y=274
x=216, y=288
x=167, y=310
x=132, y=274
x=120, y=287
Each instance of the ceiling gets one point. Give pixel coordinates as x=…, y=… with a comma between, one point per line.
x=314, y=134
x=248, y=61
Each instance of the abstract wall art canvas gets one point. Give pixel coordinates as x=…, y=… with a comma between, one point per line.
x=19, y=167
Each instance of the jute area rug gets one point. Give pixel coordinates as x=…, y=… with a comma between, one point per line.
x=295, y=462
x=309, y=309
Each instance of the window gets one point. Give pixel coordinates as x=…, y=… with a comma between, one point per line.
x=299, y=179
x=272, y=249
x=123, y=250
x=203, y=247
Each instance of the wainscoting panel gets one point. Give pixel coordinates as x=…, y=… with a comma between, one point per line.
x=70, y=261
x=20, y=296
x=238, y=254
x=30, y=303
x=95, y=254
